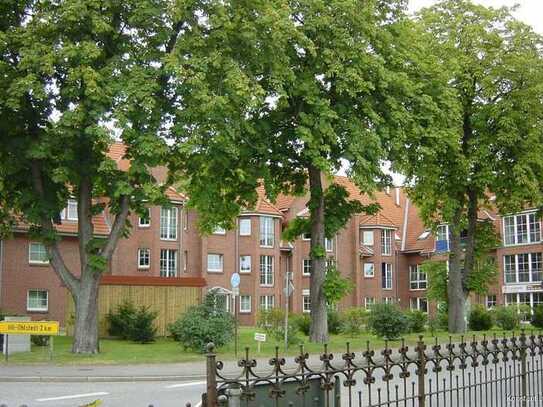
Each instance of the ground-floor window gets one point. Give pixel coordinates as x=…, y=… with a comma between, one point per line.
x=245, y=304
x=530, y=299
x=168, y=263
x=306, y=301
x=37, y=300
x=419, y=304
x=491, y=301
x=369, y=302
x=267, y=302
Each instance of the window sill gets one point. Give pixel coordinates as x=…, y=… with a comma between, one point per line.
x=215, y=271
x=39, y=263
x=37, y=311
x=417, y=289
x=240, y=235
x=369, y=276
x=244, y=272
x=245, y=312
x=267, y=247
x=144, y=226
x=144, y=268
x=168, y=240
x=266, y=285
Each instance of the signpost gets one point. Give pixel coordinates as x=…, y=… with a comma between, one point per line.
x=288, y=290
x=234, y=282
x=43, y=328
x=259, y=338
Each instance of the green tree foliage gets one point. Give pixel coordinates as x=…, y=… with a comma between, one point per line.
x=74, y=74
x=486, y=71
x=507, y=317
x=354, y=320
x=416, y=321
x=335, y=286
x=286, y=93
x=130, y=322
x=537, y=317
x=204, y=323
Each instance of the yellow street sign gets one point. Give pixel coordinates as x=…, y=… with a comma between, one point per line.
x=29, y=327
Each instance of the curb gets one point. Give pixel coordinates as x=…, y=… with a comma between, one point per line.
x=96, y=379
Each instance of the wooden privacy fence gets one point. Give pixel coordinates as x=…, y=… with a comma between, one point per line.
x=169, y=297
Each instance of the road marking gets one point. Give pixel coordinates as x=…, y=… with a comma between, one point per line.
x=74, y=396
x=173, y=386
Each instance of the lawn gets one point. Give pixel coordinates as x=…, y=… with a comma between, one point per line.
x=165, y=350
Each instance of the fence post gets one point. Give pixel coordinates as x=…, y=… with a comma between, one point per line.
x=421, y=371
x=211, y=378
x=523, y=371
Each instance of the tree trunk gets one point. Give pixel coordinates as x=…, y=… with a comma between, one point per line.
x=455, y=288
x=319, y=312
x=86, y=315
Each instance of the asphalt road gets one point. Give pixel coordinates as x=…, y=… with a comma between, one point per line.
x=133, y=394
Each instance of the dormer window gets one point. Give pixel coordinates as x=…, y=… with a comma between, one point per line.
x=70, y=212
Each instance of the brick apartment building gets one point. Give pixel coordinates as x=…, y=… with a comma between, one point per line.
x=381, y=254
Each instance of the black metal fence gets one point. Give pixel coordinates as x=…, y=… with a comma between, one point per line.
x=506, y=371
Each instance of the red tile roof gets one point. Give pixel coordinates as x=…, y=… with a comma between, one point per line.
x=378, y=219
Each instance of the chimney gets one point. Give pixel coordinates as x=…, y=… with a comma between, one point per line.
x=397, y=196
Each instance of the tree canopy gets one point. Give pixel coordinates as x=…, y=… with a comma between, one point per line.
x=287, y=93
x=74, y=76
x=488, y=70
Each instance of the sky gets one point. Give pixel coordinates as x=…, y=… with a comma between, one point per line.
x=529, y=11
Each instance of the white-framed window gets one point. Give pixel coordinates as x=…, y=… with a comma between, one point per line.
x=168, y=223
x=367, y=237
x=37, y=254
x=218, y=230
x=531, y=299
x=145, y=221
x=215, y=263
x=523, y=268
x=306, y=236
x=330, y=262
x=521, y=229
x=306, y=301
x=266, y=271
x=491, y=301
x=245, y=227
x=369, y=302
x=386, y=276
x=417, y=278
x=442, y=238
x=245, y=264
x=388, y=300
x=144, y=258
x=70, y=212
x=168, y=263
x=267, y=302
x=37, y=300
x=266, y=231
x=244, y=304
x=369, y=270
x=419, y=304
x=386, y=242
x=306, y=267
x=329, y=244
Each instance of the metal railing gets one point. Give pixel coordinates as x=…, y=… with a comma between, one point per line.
x=505, y=371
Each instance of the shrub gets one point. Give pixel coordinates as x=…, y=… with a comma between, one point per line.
x=480, y=319
x=537, y=317
x=507, y=318
x=416, y=321
x=354, y=320
x=202, y=324
x=387, y=321
x=39, y=340
x=120, y=321
x=334, y=321
x=273, y=322
x=143, y=328
x=303, y=323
